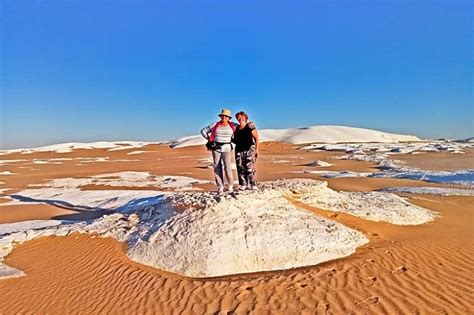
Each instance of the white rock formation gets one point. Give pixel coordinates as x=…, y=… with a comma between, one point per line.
x=319, y=163
x=255, y=232
x=374, y=206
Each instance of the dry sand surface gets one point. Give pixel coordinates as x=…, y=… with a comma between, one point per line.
x=445, y=161
x=423, y=269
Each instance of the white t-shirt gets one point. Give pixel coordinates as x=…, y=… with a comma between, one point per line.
x=223, y=135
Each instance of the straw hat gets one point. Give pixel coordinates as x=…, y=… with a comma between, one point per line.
x=225, y=112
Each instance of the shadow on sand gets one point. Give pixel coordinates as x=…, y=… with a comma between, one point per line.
x=86, y=213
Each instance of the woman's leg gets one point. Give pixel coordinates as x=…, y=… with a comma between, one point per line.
x=218, y=175
x=227, y=162
x=250, y=167
x=239, y=161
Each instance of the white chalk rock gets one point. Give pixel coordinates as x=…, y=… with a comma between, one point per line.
x=255, y=232
x=375, y=206
x=319, y=163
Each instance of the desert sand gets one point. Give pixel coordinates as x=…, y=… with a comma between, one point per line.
x=403, y=269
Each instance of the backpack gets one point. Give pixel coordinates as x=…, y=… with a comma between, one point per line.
x=211, y=143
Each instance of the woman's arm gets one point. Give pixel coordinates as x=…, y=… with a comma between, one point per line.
x=206, y=131
x=255, y=137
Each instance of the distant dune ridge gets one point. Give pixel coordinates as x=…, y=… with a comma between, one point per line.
x=312, y=134
x=468, y=140
x=69, y=146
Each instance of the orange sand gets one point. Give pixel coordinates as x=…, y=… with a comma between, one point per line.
x=423, y=269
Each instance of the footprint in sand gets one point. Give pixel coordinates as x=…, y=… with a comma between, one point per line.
x=397, y=243
x=322, y=308
x=368, y=262
x=399, y=269
x=369, y=248
x=329, y=272
x=370, y=300
x=370, y=281
x=389, y=252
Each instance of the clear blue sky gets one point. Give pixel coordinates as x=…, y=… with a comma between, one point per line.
x=156, y=70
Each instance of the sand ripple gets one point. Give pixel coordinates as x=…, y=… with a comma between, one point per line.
x=398, y=272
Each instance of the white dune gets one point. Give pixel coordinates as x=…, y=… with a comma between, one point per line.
x=313, y=134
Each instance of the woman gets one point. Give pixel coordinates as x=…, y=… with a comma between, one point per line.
x=246, y=151
x=219, y=136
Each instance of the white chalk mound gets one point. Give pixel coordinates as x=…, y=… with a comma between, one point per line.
x=255, y=232
x=374, y=206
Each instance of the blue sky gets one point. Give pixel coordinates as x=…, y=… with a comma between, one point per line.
x=156, y=70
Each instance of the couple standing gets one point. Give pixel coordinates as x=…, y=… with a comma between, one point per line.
x=224, y=139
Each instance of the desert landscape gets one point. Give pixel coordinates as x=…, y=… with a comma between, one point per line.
x=345, y=220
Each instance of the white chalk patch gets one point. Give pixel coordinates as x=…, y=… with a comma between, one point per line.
x=431, y=191
x=9, y=272
x=81, y=200
x=125, y=160
x=46, y=162
x=7, y=228
x=67, y=192
x=319, y=163
x=337, y=174
x=374, y=206
x=136, y=152
x=10, y=162
x=96, y=160
x=276, y=161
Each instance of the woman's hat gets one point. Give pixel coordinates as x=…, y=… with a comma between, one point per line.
x=225, y=112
